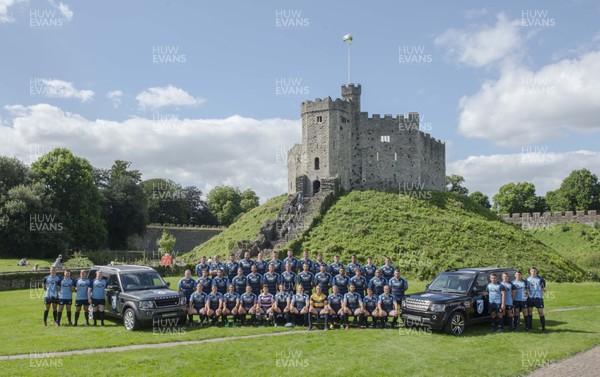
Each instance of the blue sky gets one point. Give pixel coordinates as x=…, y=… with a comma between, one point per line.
x=188, y=90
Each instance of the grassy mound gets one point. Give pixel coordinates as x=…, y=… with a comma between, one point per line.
x=425, y=236
x=577, y=242
x=245, y=228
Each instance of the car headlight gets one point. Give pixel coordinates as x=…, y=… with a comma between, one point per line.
x=146, y=304
x=437, y=307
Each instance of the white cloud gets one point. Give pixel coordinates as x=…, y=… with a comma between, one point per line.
x=543, y=168
x=524, y=106
x=115, y=97
x=157, y=97
x=5, y=15
x=204, y=152
x=54, y=88
x=64, y=9
x=484, y=45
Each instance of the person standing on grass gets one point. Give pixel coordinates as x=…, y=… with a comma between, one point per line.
x=387, y=270
x=201, y=266
x=510, y=291
x=277, y=262
x=342, y=281
x=399, y=285
x=50, y=284
x=246, y=264
x=96, y=298
x=67, y=287
x=81, y=286
x=231, y=302
x=221, y=282
x=187, y=285
x=497, y=302
x=353, y=265
x=536, y=288
x=231, y=267
x=520, y=300
x=205, y=281
x=197, y=306
x=377, y=283
x=254, y=279
x=272, y=279
x=359, y=281
x=369, y=269
x=261, y=265
x=292, y=261
x=288, y=278
x=334, y=267
x=323, y=279
x=306, y=278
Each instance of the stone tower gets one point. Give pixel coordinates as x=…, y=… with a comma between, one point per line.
x=344, y=145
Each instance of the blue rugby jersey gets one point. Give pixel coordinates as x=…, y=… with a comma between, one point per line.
x=282, y=299
x=495, y=293
x=377, y=284
x=360, y=284
x=231, y=300
x=231, y=268
x=248, y=300
x=271, y=279
x=352, y=300
x=521, y=288
x=387, y=271
x=52, y=284
x=399, y=286
x=299, y=301
x=82, y=288
x=342, y=283
x=187, y=286
x=255, y=281
x=98, y=288
x=369, y=270
x=201, y=266
x=508, y=288
x=246, y=266
x=323, y=280
x=387, y=301
x=66, y=285
x=335, y=301
x=289, y=280
x=334, y=268
x=278, y=265
x=292, y=261
x=206, y=284
x=306, y=279
x=222, y=283
x=370, y=302
x=262, y=266
x=214, y=300
x=351, y=268
x=536, y=286
x=198, y=299
x=240, y=283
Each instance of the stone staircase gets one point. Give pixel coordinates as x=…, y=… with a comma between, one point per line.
x=290, y=224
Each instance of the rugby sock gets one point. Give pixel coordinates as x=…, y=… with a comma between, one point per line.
x=54, y=315
x=307, y=321
x=384, y=321
x=45, y=316
x=309, y=318
x=69, y=317
x=76, y=317
x=326, y=321
x=543, y=322
x=287, y=317
x=223, y=318
x=362, y=319
x=59, y=317
x=501, y=324
x=253, y=319
x=494, y=322
x=95, y=317
x=394, y=321
x=101, y=317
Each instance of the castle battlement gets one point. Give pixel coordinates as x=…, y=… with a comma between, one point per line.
x=361, y=150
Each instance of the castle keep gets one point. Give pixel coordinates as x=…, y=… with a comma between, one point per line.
x=344, y=145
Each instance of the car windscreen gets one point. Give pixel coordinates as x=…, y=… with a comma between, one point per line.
x=133, y=281
x=451, y=282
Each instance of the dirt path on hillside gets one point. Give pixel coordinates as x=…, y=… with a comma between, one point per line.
x=584, y=364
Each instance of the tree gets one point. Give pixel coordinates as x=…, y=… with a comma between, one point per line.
x=517, y=198
x=481, y=199
x=581, y=191
x=197, y=209
x=556, y=201
x=166, y=243
x=74, y=196
x=13, y=172
x=124, y=203
x=227, y=203
x=455, y=182
x=167, y=201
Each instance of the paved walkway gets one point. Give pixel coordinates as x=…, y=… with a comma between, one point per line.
x=584, y=364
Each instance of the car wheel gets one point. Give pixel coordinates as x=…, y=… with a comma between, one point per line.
x=130, y=321
x=456, y=324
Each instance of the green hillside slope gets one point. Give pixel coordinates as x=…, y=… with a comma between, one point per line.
x=424, y=237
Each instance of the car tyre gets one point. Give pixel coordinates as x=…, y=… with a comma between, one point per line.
x=130, y=320
x=456, y=324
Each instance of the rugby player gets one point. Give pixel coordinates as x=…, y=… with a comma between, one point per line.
x=67, y=287
x=271, y=279
x=520, y=300
x=282, y=306
x=369, y=269
x=261, y=264
x=304, y=260
x=323, y=279
x=205, y=281
x=246, y=263
x=351, y=305
x=497, y=302
x=216, y=266
x=288, y=278
x=231, y=267
x=399, y=285
x=334, y=268
x=369, y=308
x=240, y=282
x=300, y=306
x=254, y=280
x=82, y=285
x=202, y=265
x=387, y=270
x=221, y=282
x=536, y=288
x=187, y=285
x=214, y=301
x=510, y=291
x=266, y=301
x=377, y=283
x=248, y=305
x=306, y=278
x=317, y=306
x=317, y=264
x=342, y=281
x=359, y=281
x=50, y=284
x=353, y=265
x=197, y=305
x=291, y=260
x=96, y=298
x=231, y=302
x=387, y=306
x=333, y=307
x=277, y=262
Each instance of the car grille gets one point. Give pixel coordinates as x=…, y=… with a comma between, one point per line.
x=417, y=305
x=169, y=301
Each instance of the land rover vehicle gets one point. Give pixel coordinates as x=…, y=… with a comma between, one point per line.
x=455, y=299
x=138, y=295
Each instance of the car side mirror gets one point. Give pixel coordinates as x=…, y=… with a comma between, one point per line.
x=477, y=289
x=427, y=286
x=168, y=284
x=114, y=287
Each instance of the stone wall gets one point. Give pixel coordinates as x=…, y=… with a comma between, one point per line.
x=538, y=220
x=186, y=238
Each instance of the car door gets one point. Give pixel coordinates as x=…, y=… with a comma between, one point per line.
x=113, y=290
x=479, y=296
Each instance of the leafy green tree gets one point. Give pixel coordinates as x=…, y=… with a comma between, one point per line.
x=556, y=201
x=517, y=198
x=13, y=172
x=198, y=212
x=481, y=199
x=454, y=184
x=166, y=243
x=581, y=191
x=124, y=203
x=74, y=196
x=249, y=200
x=167, y=201
x=227, y=203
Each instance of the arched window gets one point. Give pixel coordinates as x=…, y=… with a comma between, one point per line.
x=316, y=163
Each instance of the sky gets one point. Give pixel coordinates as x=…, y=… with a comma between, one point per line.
x=207, y=93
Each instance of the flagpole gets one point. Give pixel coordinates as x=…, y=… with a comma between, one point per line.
x=349, y=44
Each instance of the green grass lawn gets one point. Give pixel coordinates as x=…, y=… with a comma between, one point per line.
x=366, y=352
x=11, y=264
